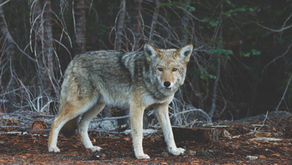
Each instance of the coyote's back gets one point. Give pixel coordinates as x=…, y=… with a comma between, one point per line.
x=97, y=74
x=134, y=80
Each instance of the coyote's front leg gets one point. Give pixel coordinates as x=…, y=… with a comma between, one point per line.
x=163, y=117
x=136, y=120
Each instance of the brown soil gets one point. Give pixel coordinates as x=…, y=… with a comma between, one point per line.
x=233, y=145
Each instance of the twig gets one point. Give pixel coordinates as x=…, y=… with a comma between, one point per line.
x=264, y=121
x=275, y=30
x=2, y=4
x=209, y=120
x=285, y=91
x=73, y=17
x=12, y=91
x=277, y=58
x=113, y=118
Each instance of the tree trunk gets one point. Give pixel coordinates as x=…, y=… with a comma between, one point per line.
x=120, y=25
x=185, y=25
x=47, y=42
x=10, y=51
x=154, y=20
x=218, y=69
x=80, y=26
x=139, y=26
x=36, y=42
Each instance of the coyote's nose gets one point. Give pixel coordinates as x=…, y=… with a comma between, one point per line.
x=166, y=84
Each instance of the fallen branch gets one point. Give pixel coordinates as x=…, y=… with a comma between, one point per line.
x=11, y=133
x=265, y=139
x=113, y=118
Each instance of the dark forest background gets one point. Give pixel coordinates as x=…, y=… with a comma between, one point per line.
x=241, y=66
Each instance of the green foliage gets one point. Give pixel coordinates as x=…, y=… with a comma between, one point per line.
x=175, y=3
x=234, y=12
x=211, y=22
x=255, y=52
x=207, y=76
x=252, y=52
x=228, y=2
x=220, y=51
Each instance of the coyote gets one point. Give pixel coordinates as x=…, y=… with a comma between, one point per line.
x=134, y=80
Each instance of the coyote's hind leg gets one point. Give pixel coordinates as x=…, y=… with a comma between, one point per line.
x=70, y=111
x=84, y=123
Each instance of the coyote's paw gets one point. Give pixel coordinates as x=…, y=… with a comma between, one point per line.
x=142, y=156
x=94, y=148
x=54, y=149
x=176, y=151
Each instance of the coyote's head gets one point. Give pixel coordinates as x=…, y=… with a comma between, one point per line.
x=167, y=67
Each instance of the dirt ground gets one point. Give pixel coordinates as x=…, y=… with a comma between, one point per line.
x=249, y=142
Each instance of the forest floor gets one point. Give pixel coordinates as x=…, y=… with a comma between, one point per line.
x=261, y=140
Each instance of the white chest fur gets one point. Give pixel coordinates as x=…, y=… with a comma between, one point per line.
x=149, y=100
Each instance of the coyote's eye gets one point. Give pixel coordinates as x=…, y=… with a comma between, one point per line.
x=160, y=69
x=174, y=69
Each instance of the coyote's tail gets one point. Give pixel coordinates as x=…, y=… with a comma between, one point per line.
x=70, y=128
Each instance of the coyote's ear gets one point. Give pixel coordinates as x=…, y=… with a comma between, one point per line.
x=150, y=51
x=185, y=52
